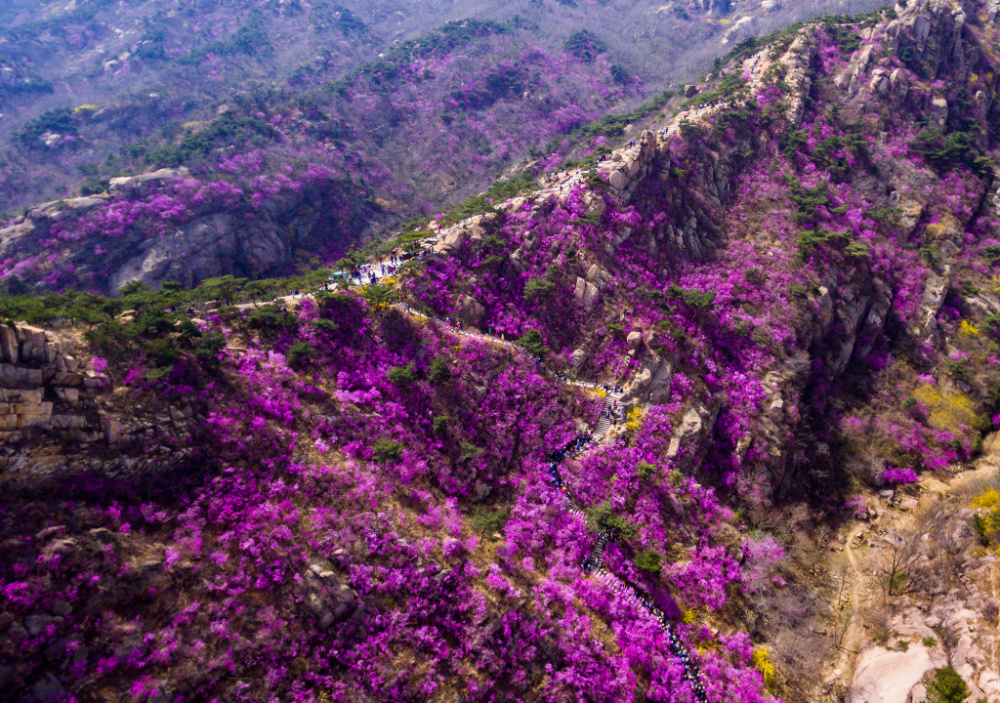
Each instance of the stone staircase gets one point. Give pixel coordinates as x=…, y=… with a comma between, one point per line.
x=604, y=422
x=595, y=560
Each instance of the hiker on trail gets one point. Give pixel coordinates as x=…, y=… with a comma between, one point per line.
x=459, y=324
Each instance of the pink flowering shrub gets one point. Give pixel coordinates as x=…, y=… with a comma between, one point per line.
x=98, y=364
x=897, y=475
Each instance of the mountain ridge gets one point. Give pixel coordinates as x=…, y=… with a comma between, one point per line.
x=785, y=299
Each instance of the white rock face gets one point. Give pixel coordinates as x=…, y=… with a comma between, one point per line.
x=129, y=183
x=989, y=682
x=651, y=384
x=585, y=291
x=939, y=110
x=884, y=676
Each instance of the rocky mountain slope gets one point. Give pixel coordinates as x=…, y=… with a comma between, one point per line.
x=854, y=192
x=379, y=114
x=789, y=294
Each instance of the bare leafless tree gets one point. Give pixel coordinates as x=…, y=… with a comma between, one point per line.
x=893, y=565
x=842, y=625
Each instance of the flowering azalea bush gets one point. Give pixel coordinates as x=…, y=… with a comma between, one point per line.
x=900, y=475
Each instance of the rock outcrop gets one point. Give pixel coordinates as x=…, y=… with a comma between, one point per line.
x=53, y=421
x=631, y=164
x=688, y=444
x=44, y=387
x=651, y=167
x=451, y=239
x=651, y=384
x=585, y=291
x=884, y=676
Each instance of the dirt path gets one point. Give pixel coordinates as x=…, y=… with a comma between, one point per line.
x=850, y=643
x=852, y=637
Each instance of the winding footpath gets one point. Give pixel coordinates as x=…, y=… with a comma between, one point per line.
x=593, y=563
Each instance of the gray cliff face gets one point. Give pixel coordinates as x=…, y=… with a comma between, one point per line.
x=655, y=169
x=221, y=238
x=207, y=247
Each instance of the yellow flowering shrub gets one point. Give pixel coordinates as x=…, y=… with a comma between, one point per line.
x=988, y=524
x=762, y=662
x=691, y=616
x=946, y=409
x=989, y=499
x=967, y=328
x=704, y=647
x=635, y=418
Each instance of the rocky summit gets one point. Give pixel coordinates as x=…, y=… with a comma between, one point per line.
x=521, y=352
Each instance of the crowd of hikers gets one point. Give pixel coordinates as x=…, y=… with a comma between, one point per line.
x=386, y=266
x=614, y=412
